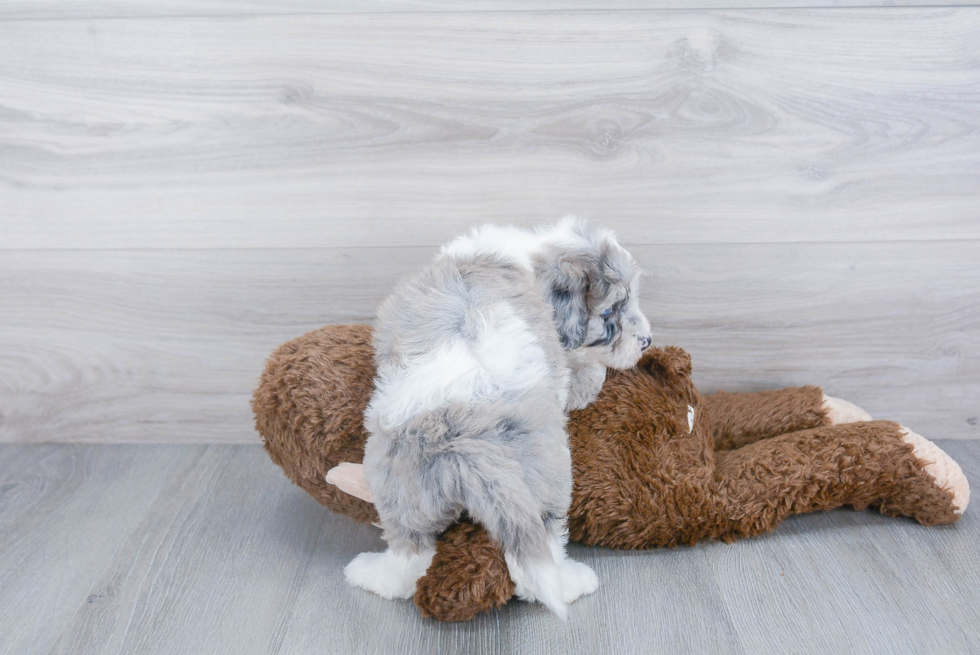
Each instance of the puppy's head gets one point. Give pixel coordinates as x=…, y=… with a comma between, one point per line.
x=593, y=285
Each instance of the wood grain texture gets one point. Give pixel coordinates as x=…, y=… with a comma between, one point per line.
x=63, y=511
x=794, y=581
x=167, y=345
x=389, y=129
x=194, y=549
x=62, y=9
x=213, y=567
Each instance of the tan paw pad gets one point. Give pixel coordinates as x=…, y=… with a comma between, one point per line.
x=941, y=467
x=840, y=411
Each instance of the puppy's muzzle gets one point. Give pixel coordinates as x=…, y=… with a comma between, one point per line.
x=644, y=343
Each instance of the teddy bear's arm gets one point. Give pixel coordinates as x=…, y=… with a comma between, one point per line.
x=738, y=419
x=349, y=478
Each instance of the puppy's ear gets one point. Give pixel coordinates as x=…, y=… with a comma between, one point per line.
x=564, y=280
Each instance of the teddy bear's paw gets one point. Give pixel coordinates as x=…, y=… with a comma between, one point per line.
x=577, y=580
x=387, y=574
x=840, y=411
x=944, y=470
x=349, y=478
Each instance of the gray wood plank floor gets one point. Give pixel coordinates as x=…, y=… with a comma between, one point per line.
x=209, y=549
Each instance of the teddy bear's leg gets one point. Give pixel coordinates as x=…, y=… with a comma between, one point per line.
x=843, y=411
x=738, y=419
x=467, y=576
x=944, y=470
x=878, y=463
x=470, y=575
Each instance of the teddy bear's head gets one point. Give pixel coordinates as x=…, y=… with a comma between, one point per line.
x=309, y=408
x=642, y=445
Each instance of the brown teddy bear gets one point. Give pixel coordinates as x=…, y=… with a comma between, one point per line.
x=654, y=462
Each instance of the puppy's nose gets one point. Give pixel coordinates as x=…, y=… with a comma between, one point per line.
x=644, y=343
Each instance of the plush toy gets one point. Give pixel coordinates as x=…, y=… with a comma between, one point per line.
x=654, y=462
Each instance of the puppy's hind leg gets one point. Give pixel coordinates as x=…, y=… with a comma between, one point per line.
x=577, y=578
x=512, y=519
x=411, y=536
x=393, y=573
x=537, y=578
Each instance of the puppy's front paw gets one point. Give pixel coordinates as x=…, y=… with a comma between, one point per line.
x=577, y=580
x=387, y=574
x=585, y=385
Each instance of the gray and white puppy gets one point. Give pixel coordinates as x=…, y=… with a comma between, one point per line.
x=479, y=357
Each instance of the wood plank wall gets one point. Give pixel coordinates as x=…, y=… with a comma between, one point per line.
x=184, y=186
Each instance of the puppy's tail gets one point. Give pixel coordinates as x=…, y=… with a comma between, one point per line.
x=532, y=553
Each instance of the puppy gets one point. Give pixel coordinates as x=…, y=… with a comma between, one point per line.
x=479, y=357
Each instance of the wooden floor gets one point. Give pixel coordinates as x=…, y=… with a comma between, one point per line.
x=209, y=549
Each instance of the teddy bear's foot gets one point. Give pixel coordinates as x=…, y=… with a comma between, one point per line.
x=388, y=574
x=945, y=472
x=840, y=411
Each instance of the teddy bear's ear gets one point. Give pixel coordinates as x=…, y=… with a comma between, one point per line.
x=670, y=362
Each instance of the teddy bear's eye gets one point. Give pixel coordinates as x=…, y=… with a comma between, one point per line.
x=607, y=312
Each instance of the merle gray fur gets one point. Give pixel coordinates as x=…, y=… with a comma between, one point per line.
x=495, y=449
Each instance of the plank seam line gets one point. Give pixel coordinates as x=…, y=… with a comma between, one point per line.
x=625, y=244
x=820, y=7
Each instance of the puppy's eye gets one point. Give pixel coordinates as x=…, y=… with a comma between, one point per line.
x=607, y=312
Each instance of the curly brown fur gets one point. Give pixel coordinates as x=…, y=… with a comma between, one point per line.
x=738, y=419
x=309, y=408
x=642, y=479
x=857, y=464
x=468, y=576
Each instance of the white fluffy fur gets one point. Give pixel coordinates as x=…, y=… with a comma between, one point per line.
x=559, y=582
x=505, y=357
x=512, y=243
x=387, y=574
